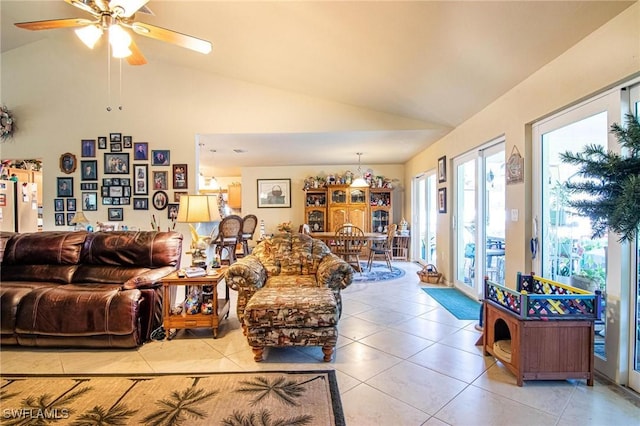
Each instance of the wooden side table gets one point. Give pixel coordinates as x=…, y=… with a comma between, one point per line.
x=199, y=320
x=401, y=247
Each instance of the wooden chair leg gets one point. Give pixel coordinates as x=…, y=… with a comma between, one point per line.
x=328, y=352
x=257, y=353
x=387, y=257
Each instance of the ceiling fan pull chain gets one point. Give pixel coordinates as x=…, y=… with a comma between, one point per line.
x=120, y=94
x=109, y=78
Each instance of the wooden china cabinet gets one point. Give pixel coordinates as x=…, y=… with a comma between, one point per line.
x=315, y=209
x=381, y=212
x=348, y=205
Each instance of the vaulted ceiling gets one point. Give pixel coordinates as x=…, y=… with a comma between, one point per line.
x=432, y=64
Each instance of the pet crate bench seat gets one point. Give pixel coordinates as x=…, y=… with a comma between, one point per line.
x=542, y=331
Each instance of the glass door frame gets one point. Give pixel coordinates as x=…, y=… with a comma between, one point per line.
x=424, y=218
x=634, y=291
x=616, y=343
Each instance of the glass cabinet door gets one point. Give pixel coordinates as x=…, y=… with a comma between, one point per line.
x=316, y=220
x=338, y=196
x=379, y=221
x=356, y=196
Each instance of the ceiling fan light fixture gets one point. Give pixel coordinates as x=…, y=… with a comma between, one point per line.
x=89, y=35
x=118, y=37
x=120, y=52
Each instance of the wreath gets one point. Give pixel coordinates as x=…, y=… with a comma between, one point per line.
x=6, y=123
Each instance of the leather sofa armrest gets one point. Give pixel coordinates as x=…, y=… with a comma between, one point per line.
x=149, y=278
x=334, y=272
x=246, y=273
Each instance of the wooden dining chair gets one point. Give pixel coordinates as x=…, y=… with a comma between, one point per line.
x=383, y=248
x=249, y=223
x=348, y=244
x=229, y=235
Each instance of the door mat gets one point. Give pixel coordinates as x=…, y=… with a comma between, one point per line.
x=281, y=397
x=453, y=300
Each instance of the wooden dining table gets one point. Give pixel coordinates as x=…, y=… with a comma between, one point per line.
x=332, y=241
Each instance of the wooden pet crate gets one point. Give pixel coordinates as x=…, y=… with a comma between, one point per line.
x=545, y=332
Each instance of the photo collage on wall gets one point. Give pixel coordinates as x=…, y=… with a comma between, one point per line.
x=117, y=171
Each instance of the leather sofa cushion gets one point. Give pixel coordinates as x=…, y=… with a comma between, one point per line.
x=61, y=274
x=142, y=249
x=11, y=293
x=44, y=248
x=76, y=310
x=4, y=237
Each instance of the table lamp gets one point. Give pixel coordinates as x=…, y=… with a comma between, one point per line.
x=79, y=220
x=197, y=209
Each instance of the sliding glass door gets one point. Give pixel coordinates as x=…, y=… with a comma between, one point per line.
x=424, y=218
x=634, y=297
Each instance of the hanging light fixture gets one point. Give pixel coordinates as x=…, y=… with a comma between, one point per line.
x=120, y=41
x=89, y=35
x=359, y=180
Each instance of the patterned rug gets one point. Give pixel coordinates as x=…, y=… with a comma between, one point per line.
x=379, y=272
x=453, y=300
x=243, y=398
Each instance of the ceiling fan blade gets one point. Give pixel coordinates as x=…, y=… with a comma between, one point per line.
x=136, y=57
x=87, y=5
x=53, y=23
x=129, y=7
x=162, y=34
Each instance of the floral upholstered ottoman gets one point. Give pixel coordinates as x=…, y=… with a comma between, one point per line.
x=292, y=316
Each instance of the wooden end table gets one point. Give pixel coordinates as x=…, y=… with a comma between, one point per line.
x=199, y=320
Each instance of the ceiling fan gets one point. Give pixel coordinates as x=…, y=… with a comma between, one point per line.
x=114, y=16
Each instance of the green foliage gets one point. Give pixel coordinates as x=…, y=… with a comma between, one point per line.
x=611, y=183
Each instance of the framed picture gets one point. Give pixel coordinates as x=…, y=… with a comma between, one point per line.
x=160, y=180
x=116, y=147
x=68, y=163
x=102, y=142
x=160, y=200
x=442, y=200
x=70, y=218
x=115, y=137
x=141, y=204
x=89, y=201
x=89, y=186
x=116, y=164
x=58, y=205
x=127, y=142
x=141, y=151
x=442, y=169
x=177, y=195
x=140, y=180
x=160, y=157
x=88, y=148
x=59, y=219
x=172, y=211
x=274, y=193
x=89, y=169
x=180, y=176
x=115, y=214
x=65, y=187
x=71, y=204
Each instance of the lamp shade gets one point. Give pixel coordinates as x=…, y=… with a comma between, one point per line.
x=78, y=219
x=198, y=208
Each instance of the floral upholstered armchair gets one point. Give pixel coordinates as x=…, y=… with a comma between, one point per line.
x=289, y=293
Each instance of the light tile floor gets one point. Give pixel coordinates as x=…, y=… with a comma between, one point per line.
x=402, y=359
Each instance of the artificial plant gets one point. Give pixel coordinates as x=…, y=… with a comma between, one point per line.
x=610, y=191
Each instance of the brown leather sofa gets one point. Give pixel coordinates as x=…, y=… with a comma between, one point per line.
x=83, y=289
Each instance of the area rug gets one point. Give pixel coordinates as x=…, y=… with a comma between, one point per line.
x=379, y=272
x=243, y=398
x=453, y=300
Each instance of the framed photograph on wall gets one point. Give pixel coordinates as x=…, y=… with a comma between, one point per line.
x=442, y=169
x=102, y=142
x=160, y=200
x=71, y=204
x=141, y=204
x=140, y=179
x=177, y=195
x=274, y=193
x=68, y=163
x=115, y=214
x=88, y=148
x=89, y=169
x=115, y=137
x=89, y=201
x=141, y=151
x=59, y=219
x=180, y=176
x=442, y=200
x=172, y=211
x=160, y=157
x=160, y=180
x=65, y=187
x=58, y=205
x=116, y=164
x=127, y=142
